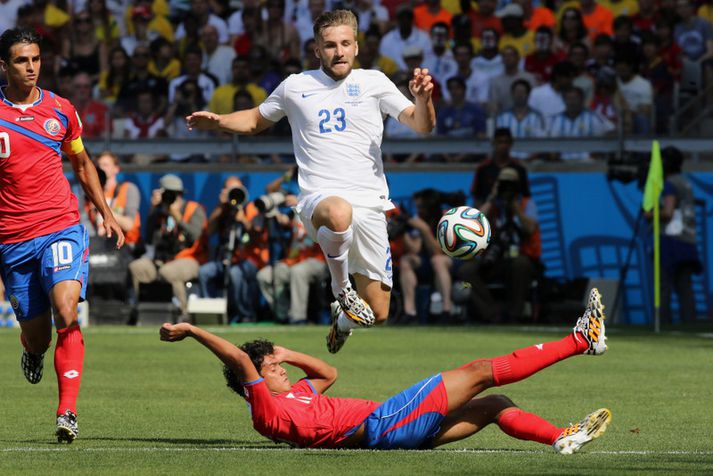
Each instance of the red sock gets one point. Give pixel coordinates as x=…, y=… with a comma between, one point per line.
x=528, y=426
x=68, y=360
x=525, y=362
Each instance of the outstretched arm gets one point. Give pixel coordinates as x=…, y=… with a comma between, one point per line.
x=248, y=121
x=320, y=373
x=237, y=360
x=421, y=117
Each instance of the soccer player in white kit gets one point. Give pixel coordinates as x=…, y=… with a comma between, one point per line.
x=336, y=114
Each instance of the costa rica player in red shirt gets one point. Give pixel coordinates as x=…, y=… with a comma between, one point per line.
x=438, y=410
x=43, y=248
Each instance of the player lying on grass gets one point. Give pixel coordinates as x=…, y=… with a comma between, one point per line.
x=438, y=410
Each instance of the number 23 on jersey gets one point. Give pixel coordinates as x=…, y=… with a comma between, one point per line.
x=334, y=121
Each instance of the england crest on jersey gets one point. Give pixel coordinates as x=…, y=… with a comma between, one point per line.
x=353, y=90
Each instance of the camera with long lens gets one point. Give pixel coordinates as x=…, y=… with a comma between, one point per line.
x=628, y=167
x=237, y=197
x=508, y=190
x=268, y=204
x=167, y=199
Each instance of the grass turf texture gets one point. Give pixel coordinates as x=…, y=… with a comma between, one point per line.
x=150, y=407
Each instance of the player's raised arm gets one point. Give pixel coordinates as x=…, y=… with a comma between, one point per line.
x=320, y=373
x=247, y=122
x=421, y=117
x=237, y=360
x=87, y=175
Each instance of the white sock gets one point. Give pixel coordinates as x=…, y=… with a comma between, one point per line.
x=345, y=324
x=335, y=246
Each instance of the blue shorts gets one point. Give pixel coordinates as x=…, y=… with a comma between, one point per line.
x=31, y=268
x=410, y=419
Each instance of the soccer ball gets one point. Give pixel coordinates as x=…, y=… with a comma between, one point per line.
x=463, y=232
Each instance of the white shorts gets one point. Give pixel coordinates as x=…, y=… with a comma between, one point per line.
x=370, y=253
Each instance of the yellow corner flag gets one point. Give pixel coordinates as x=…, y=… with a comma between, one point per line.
x=654, y=180
x=652, y=192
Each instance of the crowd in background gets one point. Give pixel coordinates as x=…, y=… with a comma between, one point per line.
x=134, y=68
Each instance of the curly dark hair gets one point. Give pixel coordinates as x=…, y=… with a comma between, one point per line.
x=256, y=350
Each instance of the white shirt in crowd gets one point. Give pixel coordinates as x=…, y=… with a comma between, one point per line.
x=532, y=125
x=546, y=101
x=637, y=92
x=337, y=128
x=214, y=20
x=491, y=68
x=220, y=63
x=587, y=124
x=440, y=67
x=392, y=45
x=476, y=88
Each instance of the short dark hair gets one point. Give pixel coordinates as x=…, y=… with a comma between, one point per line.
x=502, y=132
x=521, y=82
x=256, y=350
x=14, y=36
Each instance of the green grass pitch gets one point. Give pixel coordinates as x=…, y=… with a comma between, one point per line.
x=149, y=407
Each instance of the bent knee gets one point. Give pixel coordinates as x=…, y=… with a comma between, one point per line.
x=335, y=213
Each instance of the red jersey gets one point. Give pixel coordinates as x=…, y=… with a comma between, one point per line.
x=35, y=196
x=302, y=417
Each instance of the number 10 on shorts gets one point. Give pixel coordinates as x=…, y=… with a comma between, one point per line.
x=61, y=253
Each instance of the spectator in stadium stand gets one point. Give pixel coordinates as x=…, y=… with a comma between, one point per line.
x=621, y=7
x=637, y=94
x=402, y=35
x=578, y=55
x=140, y=18
x=695, y=35
x=65, y=76
x=522, y=121
x=602, y=56
x=123, y=198
x=305, y=21
x=535, y=17
x=192, y=37
x=279, y=37
x=164, y=63
x=371, y=13
x=577, y=121
x=499, y=97
x=439, y=59
x=192, y=65
x=438, y=410
x=200, y=12
x=173, y=228
x=262, y=68
x=462, y=32
x=662, y=78
x=369, y=56
x=51, y=64
x=249, y=28
x=540, y=62
x=670, y=51
x=460, y=118
x=94, y=114
x=222, y=100
x=147, y=121
x=607, y=101
x=81, y=48
x=430, y=12
x=188, y=98
x=141, y=79
x=487, y=172
x=488, y=60
x=158, y=25
x=571, y=29
x=484, y=18
x=645, y=18
x=475, y=81
x=247, y=256
x=106, y=26
x=112, y=79
x=394, y=129
x=217, y=58
x=596, y=18
x=624, y=40
x=547, y=98
x=236, y=20
x=413, y=57
x=514, y=32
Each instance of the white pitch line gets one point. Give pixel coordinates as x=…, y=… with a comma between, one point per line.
x=144, y=449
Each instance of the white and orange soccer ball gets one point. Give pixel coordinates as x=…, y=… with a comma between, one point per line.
x=463, y=232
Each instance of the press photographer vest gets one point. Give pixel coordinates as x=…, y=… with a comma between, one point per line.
x=199, y=249
x=117, y=204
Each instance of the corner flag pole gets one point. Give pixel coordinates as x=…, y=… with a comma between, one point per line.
x=652, y=192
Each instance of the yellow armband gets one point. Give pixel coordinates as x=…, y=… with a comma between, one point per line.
x=74, y=147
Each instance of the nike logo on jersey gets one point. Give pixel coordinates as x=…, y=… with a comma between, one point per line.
x=331, y=257
x=306, y=95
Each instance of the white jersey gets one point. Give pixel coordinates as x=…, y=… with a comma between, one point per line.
x=337, y=127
